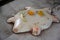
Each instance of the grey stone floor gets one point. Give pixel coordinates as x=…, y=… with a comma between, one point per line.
x=12, y=8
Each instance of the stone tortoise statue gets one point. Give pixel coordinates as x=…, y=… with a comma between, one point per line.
x=34, y=20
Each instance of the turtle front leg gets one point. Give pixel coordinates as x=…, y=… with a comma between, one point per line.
x=11, y=19
x=27, y=8
x=36, y=31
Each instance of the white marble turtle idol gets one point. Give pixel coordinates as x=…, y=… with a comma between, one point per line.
x=31, y=19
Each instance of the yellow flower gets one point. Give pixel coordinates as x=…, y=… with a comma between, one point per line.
x=40, y=13
x=30, y=12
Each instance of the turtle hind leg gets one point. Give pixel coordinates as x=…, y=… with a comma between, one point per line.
x=55, y=19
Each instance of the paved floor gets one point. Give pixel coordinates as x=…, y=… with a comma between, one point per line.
x=11, y=9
